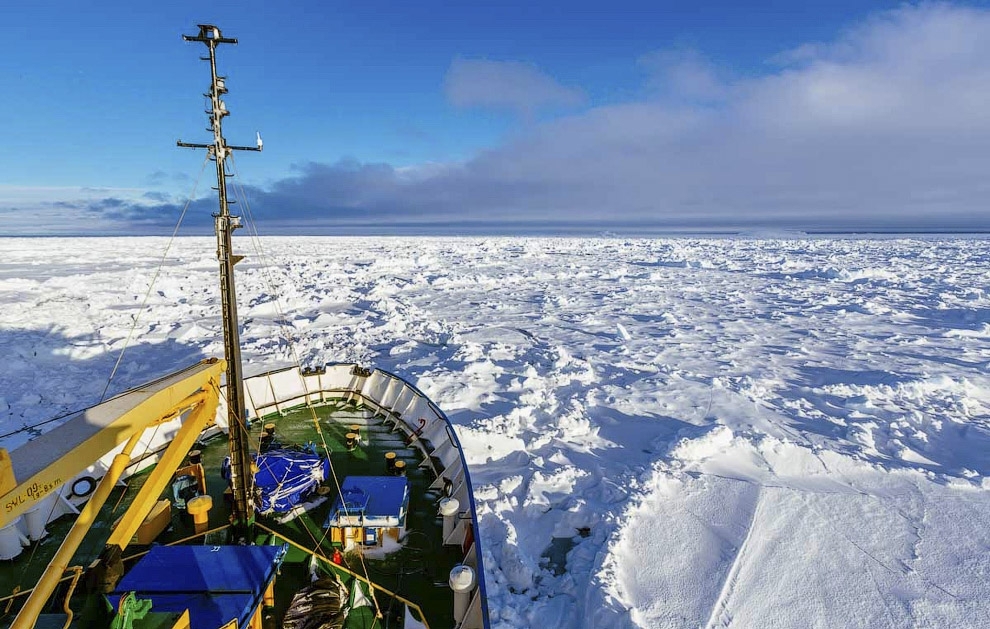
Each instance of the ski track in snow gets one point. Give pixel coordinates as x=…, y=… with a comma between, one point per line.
x=752, y=433
x=720, y=616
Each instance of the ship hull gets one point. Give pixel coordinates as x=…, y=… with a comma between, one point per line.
x=393, y=421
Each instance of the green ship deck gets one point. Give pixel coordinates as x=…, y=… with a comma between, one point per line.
x=417, y=572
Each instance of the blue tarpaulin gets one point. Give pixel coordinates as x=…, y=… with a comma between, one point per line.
x=286, y=477
x=216, y=584
x=374, y=497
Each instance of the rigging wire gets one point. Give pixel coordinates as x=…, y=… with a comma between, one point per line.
x=154, y=278
x=43, y=422
x=120, y=357
x=266, y=266
x=283, y=326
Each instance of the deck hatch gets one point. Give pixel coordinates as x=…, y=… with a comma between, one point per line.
x=216, y=584
x=377, y=501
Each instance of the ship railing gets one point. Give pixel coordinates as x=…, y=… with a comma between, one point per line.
x=423, y=423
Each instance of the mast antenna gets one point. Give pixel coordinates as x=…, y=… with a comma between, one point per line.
x=241, y=473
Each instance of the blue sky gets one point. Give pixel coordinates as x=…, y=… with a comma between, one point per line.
x=503, y=117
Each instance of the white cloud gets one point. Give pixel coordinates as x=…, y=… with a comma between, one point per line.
x=684, y=74
x=885, y=127
x=512, y=85
x=64, y=209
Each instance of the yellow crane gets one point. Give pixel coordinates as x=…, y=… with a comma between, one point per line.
x=41, y=466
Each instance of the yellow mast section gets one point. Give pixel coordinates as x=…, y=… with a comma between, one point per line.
x=39, y=467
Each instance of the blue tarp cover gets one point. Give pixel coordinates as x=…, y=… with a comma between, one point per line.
x=216, y=584
x=372, y=496
x=286, y=477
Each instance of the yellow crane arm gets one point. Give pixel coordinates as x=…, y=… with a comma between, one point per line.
x=39, y=467
x=97, y=431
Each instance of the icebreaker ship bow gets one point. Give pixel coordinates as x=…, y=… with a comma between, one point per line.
x=327, y=496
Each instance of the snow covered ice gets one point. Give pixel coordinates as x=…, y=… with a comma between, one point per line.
x=661, y=433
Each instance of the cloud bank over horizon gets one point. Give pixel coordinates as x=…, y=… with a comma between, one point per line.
x=510, y=85
x=883, y=128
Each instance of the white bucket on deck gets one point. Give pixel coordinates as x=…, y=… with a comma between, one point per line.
x=35, y=520
x=11, y=541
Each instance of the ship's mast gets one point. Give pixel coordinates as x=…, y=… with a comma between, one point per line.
x=241, y=475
